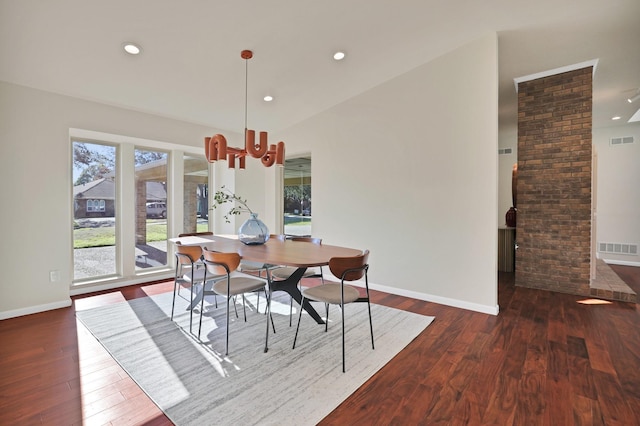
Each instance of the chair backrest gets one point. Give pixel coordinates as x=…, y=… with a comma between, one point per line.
x=308, y=240
x=349, y=268
x=187, y=254
x=194, y=234
x=220, y=263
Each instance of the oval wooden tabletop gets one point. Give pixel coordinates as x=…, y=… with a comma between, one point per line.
x=274, y=251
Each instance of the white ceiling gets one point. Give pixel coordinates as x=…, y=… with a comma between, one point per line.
x=191, y=70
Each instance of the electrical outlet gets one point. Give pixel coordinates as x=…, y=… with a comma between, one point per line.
x=54, y=276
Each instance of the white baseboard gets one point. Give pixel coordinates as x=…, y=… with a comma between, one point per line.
x=484, y=309
x=35, y=309
x=83, y=289
x=621, y=262
x=455, y=303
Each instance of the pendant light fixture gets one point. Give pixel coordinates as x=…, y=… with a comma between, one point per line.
x=216, y=148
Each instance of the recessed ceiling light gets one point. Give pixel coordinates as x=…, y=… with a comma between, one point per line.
x=338, y=56
x=132, y=48
x=617, y=117
x=268, y=98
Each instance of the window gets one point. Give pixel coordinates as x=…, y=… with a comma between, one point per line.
x=151, y=208
x=96, y=205
x=297, y=196
x=94, y=235
x=123, y=208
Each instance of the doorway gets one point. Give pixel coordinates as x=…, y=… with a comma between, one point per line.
x=297, y=196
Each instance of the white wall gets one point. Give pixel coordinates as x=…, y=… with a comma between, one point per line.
x=35, y=162
x=409, y=171
x=618, y=191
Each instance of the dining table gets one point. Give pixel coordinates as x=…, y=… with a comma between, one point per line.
x=276, y=252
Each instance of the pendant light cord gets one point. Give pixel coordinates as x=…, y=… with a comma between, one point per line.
x=246, y=90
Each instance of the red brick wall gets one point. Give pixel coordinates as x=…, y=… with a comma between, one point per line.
x=553, y=228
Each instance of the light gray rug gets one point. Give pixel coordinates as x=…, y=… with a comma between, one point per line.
x=195, y=384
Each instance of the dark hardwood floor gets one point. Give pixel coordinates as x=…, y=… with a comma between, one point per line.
x=546, y=359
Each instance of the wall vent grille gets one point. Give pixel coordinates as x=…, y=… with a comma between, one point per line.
x=621, y=141
x=618, y=248
x=503, y=151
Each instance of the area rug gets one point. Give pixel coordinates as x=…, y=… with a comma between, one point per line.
x=194, y=383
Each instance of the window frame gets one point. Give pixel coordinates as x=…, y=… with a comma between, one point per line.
x=125, y=210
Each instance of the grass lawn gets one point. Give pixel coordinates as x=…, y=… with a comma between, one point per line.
x=106, y=236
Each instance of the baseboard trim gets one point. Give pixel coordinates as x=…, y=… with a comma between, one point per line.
x=455, y=303
x=35, y=309
x=621, y=262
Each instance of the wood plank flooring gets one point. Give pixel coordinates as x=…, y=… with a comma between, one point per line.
x=546, y=359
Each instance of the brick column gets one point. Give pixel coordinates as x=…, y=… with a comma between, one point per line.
x=190, y=205
x=554, y=182
x=141, y=212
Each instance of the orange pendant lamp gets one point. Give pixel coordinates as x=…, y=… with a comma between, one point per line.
x=216, y=148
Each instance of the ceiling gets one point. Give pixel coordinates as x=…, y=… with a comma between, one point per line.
x=190, y=67
x=297, y=168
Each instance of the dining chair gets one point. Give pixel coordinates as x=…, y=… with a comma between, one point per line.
x=196, y=234
x=284, y=272
x=347, y=269
x=251, y=267
x=198, y=263
x=256, y=268
x=236, y=283
x=187, y=257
